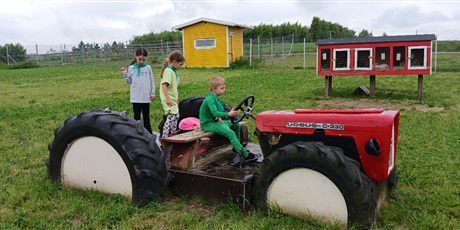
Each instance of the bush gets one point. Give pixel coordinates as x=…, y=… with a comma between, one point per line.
x=242, y=63
x=23, y=65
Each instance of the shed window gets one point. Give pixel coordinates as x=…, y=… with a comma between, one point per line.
x=382, y=58
x=341, y=59
x=205, y=43
x=363, y=58
x=417, y=57
x=399, y=57
x=325, y=59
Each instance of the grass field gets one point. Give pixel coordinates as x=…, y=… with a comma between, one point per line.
x=34, y=102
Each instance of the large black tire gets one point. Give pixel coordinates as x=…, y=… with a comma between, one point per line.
x=120, y=138
x=294, y=163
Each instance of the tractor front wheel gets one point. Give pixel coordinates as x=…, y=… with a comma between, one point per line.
x=314, y=181
x=110, y=152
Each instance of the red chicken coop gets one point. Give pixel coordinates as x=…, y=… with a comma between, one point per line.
x=373, y=56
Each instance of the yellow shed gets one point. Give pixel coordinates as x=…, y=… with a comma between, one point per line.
x=211, y=43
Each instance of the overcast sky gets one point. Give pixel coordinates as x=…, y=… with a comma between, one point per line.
x=51, y=23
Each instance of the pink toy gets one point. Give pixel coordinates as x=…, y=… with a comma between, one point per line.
x=189, y=123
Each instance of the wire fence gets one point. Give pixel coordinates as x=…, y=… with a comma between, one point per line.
x=87, y=54
x=280, y=52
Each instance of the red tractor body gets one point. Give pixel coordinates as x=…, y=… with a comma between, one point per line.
x=351, y=130
x=330, y=165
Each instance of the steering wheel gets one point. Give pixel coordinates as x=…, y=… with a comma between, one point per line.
x=248, y=101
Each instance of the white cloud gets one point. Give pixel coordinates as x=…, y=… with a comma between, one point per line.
x=69, y=22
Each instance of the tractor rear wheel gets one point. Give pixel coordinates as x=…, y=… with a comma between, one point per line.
x=314, y=181
x=110, y=152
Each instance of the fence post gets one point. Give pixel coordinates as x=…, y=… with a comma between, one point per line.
x=292, y=44
x=60, y=53
x=83, y=52
x=65, y=55
x=271, y=46
x=250, y=52
x=36, y=52
x=435, y=55
x=304, y=54
x=127, y=52
x=7, y=55
x=95, y=54
x=101, y=50
x=258, y=47
x=282, y=46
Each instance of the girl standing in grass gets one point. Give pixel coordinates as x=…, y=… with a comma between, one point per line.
x=168, y=91
x=140, y=76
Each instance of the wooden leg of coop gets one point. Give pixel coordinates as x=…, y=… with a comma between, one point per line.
x=420, y=87
x=372, y=85
x=327, y=85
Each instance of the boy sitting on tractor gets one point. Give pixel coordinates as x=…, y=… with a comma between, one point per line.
x=213, y=118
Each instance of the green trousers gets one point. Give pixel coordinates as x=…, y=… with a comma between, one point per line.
x=228, y=130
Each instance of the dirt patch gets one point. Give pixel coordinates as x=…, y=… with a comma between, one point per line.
x=369, y=103
x=192, y=204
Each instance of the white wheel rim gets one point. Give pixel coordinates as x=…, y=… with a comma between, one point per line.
x=92, y=163
x=307, y=194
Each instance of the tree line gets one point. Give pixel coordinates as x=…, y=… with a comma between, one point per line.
x=11, y=53
x=318, y=29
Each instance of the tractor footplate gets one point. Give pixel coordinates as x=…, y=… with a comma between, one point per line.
x=214, y=179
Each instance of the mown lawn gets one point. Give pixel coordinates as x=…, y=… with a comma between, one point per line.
x=34, y=102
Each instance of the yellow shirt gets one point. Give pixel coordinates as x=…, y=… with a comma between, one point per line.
x=170, y=77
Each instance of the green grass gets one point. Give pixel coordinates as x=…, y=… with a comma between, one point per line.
x=34, y=102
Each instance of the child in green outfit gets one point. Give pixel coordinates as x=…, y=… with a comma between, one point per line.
x=214, y=119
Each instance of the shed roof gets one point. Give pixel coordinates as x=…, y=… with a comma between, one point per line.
x=181, y=26
x=397, y=38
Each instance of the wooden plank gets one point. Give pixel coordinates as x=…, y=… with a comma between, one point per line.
x=187, y=136
x=190, y=136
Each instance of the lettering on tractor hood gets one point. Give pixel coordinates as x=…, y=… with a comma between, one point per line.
x=309, y=125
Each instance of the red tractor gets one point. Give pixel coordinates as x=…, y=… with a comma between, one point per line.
x=330, y=165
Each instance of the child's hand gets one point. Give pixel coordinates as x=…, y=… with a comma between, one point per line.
x=152, y=98
x=123, y=69
x=233, y=113
x=169, y=102
x=218, y=119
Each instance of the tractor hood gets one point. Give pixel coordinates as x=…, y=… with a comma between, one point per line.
x=363, y=125
x=306, y=121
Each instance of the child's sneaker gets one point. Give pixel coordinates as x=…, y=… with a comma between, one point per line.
x=251, y=157
x=238, y=161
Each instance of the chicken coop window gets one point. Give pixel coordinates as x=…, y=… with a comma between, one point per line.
x=363, y=58
x=325, y=59
x=399, y=57
x=417, y=57
x=382, y=58
x=205, y=44
x=341, y=59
